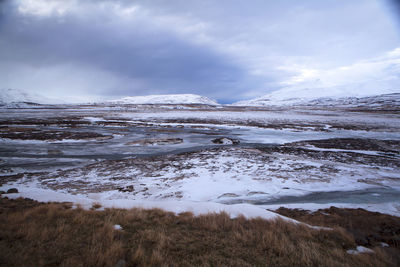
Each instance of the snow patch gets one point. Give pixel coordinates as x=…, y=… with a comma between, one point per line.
x=359, y=249
x=117, y=227
x=108, y=200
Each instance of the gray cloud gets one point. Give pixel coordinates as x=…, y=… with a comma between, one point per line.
x=161, y=61
x=227, y=50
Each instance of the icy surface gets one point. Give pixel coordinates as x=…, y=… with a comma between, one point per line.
x=164, y=157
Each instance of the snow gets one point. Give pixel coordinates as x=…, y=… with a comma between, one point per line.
x=321, y=96
x=108, y=200
x=117, y=227
x=222, y=176
x=366, y=152
x=166, y=99
x=359, y=249
x=226, y=141
x=203, y=181
x=384, y=245
x=14, y=97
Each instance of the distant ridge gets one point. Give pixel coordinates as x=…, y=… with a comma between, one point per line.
x=383, y=100
x=166, y=99
x=12, y=96
x=300, y=95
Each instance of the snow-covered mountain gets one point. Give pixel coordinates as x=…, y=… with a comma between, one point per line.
x=166, y=99
x=14, y=96
x=372, y=102
x=386, y=101
x=303, y=96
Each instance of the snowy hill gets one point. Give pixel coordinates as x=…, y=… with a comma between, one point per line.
x=14, y=97
x=304, y=96
x=375, y=102
x=166, y=99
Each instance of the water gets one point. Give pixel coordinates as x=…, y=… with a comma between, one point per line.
x=374, y=195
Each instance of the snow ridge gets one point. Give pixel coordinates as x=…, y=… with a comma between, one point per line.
x=375, y=100
x=15, y=97
x=166, y=99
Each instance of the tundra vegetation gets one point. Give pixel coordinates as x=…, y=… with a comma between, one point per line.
x=58, y=234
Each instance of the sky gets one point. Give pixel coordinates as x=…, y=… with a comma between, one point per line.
x=228, y=50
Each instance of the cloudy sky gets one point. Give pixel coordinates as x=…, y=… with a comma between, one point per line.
x=228, y=50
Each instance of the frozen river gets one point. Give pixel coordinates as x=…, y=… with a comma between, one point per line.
x=284, y=157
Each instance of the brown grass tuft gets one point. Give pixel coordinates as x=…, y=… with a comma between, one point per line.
x=38, y=234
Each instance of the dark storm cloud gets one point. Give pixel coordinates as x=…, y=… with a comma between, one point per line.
x=161, y=60
x=393, y=7
x=227, y=50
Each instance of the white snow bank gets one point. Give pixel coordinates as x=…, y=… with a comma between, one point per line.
x=104, y=199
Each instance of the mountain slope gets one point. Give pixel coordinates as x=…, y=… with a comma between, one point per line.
x=301, y=96
x=166, y=99
x=13, y=96
x=385, y=101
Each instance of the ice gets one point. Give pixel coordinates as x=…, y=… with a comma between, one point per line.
x=266, y=165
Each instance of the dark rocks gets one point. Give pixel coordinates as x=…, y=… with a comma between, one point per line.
x=226, y=141
x=128, y=188
x=121, y=263
x=12, y=191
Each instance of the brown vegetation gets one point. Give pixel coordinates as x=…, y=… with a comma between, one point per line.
x=38, y=234
x=367, y=228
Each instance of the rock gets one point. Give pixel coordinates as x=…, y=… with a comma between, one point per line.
x=128, y=188
x=2, y=192
x=12, y=191
x=121, y=263
x=226, y=141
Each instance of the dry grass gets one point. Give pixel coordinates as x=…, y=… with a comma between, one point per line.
x=37, y=234
x=367, y=228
